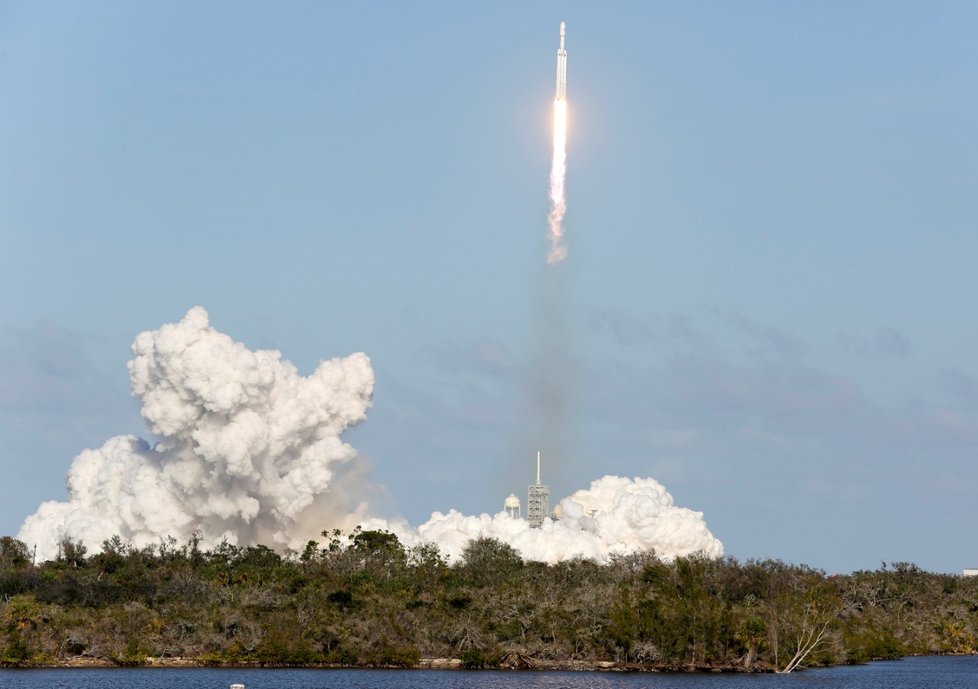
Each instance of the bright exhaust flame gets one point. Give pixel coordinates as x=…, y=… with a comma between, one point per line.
x=558, y=170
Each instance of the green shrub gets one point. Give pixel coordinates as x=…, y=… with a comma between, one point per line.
x=477, y=658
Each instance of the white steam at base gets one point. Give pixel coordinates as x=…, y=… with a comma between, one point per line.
x=615, y=516
x=250, y=451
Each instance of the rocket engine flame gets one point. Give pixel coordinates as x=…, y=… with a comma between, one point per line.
x=558, y=166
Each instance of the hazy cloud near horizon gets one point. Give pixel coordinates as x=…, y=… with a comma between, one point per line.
x=882, y=342
x=744, y=420
x=42, y=367
x=711, y=404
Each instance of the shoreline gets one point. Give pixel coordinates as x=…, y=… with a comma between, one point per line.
x=506, y=664
x=509, y=663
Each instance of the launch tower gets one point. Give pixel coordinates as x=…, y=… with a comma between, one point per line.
x=538, y=500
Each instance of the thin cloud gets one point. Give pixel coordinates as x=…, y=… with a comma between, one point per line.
x=674, y=331
x=960, y=385
x=483, y=356
x=884, y=342
x=42, y=367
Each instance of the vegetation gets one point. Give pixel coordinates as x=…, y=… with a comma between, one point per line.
x=364, y=600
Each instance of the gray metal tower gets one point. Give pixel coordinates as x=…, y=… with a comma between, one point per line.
x=538, y=500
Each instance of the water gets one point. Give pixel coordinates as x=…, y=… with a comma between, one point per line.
x=910, y=673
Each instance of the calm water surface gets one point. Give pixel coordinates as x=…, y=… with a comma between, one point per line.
x=910, y=673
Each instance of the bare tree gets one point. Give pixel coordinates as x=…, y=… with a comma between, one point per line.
x=807, y=626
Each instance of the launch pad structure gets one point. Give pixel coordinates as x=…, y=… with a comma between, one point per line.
x=537, y=500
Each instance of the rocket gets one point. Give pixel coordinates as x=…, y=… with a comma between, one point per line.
x=561, y=66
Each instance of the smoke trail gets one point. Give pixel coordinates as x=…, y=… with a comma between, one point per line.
x=558, y=170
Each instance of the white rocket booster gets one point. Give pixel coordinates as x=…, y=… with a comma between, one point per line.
x=561, y=66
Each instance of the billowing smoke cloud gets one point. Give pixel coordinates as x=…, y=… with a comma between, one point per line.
x=250, y=451
x=614, y=516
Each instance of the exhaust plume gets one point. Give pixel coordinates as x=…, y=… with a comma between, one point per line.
x=558, y=166
x=249, y=451
x=615, y=516
x=558, y=170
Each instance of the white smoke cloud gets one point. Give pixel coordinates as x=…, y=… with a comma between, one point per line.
x=250, y=451
x=615, y=516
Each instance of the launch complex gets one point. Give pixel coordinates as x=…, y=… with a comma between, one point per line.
x=537, y=502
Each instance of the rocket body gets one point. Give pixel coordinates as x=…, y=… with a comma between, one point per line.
x=561, y=93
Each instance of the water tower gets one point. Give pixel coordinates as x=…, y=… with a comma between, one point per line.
x=512, y=506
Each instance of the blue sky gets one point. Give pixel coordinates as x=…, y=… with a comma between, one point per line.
x=771, y=228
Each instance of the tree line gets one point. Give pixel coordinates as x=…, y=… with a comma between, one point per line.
x=363, y=599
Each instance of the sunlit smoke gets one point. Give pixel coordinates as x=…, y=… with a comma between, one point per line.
x=615, y=516
x=249, y=450
x=558, y=170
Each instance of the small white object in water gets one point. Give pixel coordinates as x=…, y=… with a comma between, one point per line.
x=237, y=686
